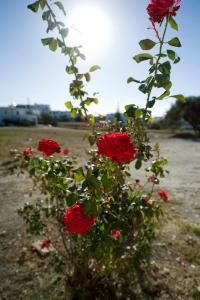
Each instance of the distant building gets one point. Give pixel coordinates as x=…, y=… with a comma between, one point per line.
x=13, y=115
x=36, y=108
x=61, y=116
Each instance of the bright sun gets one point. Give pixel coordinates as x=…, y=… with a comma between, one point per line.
x=91, y=28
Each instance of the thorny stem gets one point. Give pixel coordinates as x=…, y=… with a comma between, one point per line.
x=157, y=63
x=70, y=57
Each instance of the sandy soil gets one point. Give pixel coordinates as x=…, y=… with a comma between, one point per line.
x=175, y=263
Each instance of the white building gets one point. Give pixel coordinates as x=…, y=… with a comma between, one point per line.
x=13, y=114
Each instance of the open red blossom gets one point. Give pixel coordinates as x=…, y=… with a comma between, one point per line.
x=163, y=195
x=115, y=233
x=76, y=221
x=48, y=147
x=118, y=146
x=65, y=151
x=158, y=9
x=27, y=151
x=45, y=244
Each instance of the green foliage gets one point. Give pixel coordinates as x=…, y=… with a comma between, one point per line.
x=142, y=57
x=174, y=42
x=147, y=44
x=34, y=6
x=173, y=23
x=60, y=6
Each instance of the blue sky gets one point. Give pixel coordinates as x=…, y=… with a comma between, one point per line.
x=29, y=70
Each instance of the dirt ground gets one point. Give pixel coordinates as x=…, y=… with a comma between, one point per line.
x=175, y=263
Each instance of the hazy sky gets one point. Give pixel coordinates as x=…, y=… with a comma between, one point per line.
x=29, y=70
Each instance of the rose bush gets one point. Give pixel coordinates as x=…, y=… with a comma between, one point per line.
x=100, y=221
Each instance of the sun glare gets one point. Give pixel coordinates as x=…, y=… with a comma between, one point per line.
x=91, y=28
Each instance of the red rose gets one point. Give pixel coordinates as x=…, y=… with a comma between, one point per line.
x=115, y=233
x=65, y=151
x=76, y=221
x=158, y=9
x=118, y=146
x=27, y=151
x=163, y=195
x=45, y=244
x=48, y=147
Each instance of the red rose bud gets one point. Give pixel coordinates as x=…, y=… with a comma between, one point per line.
x=27, y=151
x=163, y=195
x=118, y=146
x=115, y=233
x=45, y=244
x=158, y=9
x=48, y=147
x=65, y=151
x=76, y=221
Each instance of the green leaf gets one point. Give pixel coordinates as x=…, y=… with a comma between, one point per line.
x=177, y=59
x=147, y=44
x=92, y=181
x=42, y=4
x=94, y=68
x=175, y=42
x=130, y=110
x=107, y=182
x=60, y=6
x=87, y=77
x=73, y=112
x=179, y=97
x=46, y=41
x=131, y=79
x=151, y=103
x=171, y=54
x=69, y=105
x=82, y=56
x=165, y=94
x=142, y=56
x=72, y=199
x=53, y=45
x=64, y=32
x=138, y=113
x=173, y=23
x=165, y=68
x=34, y=6
x=60, y=43
x=79, y=175
x=90, y=207
x=138, y=164
x=45, y=15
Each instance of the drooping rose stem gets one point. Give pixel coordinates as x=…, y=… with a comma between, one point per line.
x=161, y=42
